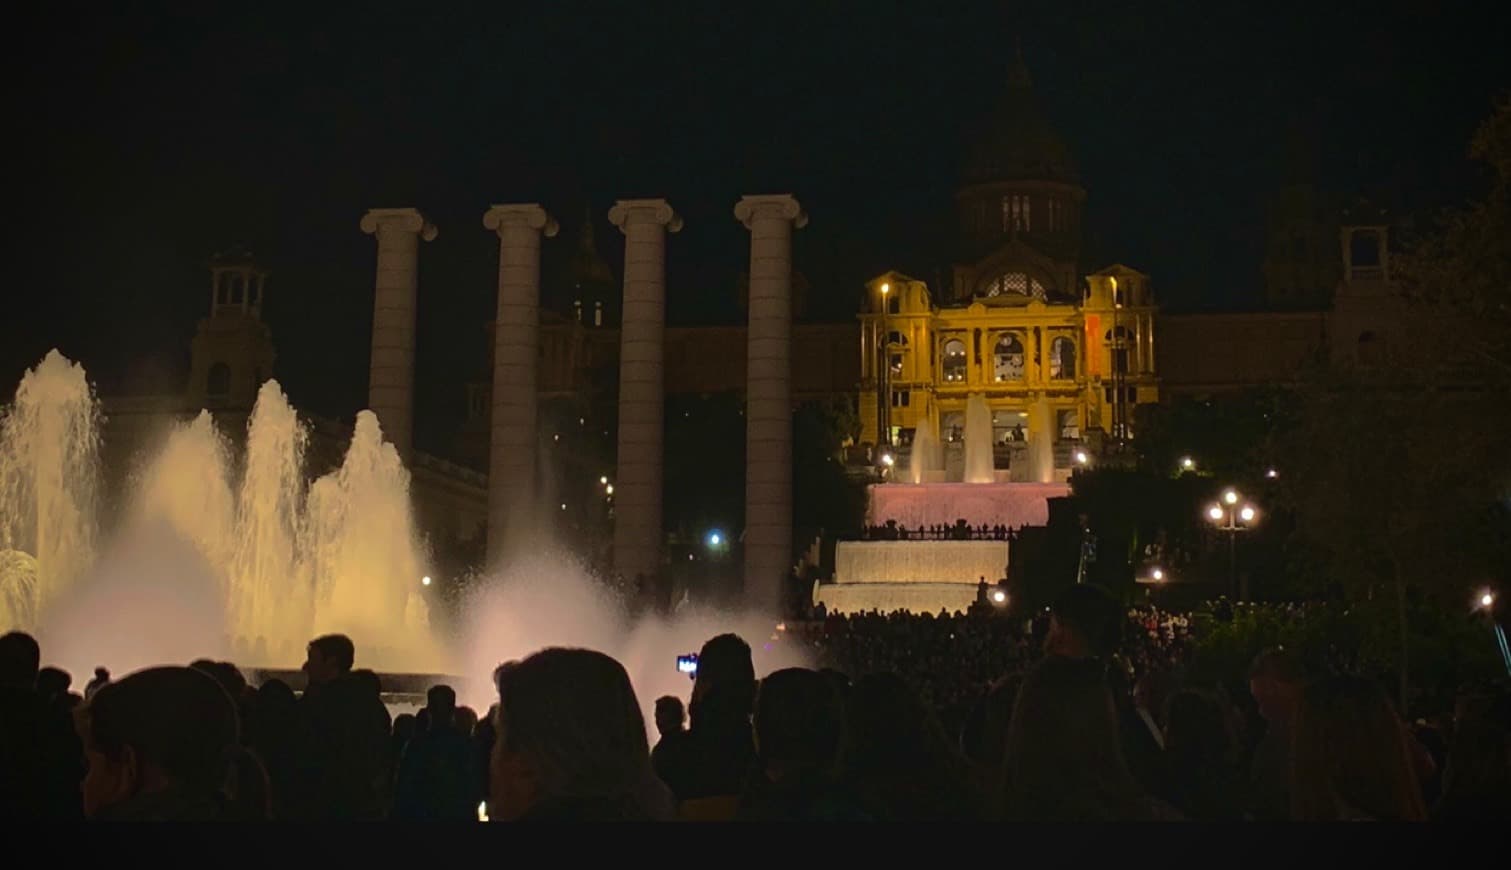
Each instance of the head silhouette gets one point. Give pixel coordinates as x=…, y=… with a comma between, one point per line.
x=569, y=727
x=161, y=729
x=329, y=657
x=1349, y=756
x=20, y=659
x=1086, y=622
x=670, y=715
x=799, y=723
x=1063, y=760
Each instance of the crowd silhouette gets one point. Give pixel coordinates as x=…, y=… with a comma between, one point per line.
x=1083, y=714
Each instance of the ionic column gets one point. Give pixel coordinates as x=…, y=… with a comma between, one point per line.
x=637, y=487
x=512, y=503
x=768, y=396
x=390, y=384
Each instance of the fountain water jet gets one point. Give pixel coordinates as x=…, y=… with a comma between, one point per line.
x=269, y=597
x=1041, y=442
x=980, y=467
x=194, y=570
x=49, y=443
x=187, y=486
x=927, y=455
x=362, y=553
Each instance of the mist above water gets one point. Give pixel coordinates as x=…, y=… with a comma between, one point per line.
x=548, y=598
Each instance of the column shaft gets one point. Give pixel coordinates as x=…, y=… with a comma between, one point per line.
x=512, y=457
x=768, y=397
x=638, y=475
x=390, y=387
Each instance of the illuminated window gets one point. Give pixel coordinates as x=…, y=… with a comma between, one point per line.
x=1062, y=358
x=1015, y=213
x=1016, y=283
x=1007, y=359
x=954, y=361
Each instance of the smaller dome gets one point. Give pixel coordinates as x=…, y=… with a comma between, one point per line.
x=1017, y=143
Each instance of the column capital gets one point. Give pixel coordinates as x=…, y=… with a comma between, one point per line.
x=406, y=219
x=528, y=214
x=781, y=206
x=628, y=211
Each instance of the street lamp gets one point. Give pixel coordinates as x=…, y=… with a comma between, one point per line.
x=425, y=581
x=884, y=374
x=1082, y=458
x=1231, y=518
x=1187, y=463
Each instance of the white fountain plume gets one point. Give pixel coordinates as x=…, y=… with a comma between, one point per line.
x=926, y=452
x=362, y=554
x=979, y=464
x=49, y=446
x=1041, y=442
x=269, y=600
x=187, y=485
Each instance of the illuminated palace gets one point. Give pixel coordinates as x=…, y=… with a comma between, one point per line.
x=1055, y=353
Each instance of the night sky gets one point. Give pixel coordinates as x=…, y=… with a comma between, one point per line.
x=144, y=141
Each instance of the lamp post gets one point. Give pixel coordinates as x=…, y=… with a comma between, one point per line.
x=884, y=376
x=1232, y=514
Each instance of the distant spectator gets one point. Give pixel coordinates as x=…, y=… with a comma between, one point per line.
x=898, y=761
x=714, y=764
x=1086, y=622
x=799, y=726
x=1276, y=680
x=350, y=730
x=1064, y=762
x=1350, y=759
x=435, y=779
x=1202, y=779
x=1477, y=777
x=41, y=760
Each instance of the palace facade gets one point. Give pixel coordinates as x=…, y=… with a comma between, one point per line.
x=1055, y=351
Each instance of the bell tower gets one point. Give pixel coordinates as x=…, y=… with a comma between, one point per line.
x=232, y=352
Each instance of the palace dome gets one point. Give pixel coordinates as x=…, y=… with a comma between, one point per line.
x=1017, y=143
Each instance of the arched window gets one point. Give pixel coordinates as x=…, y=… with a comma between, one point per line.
x=1015, y=283
x=218, y=380
x=1007, y=358
x=1062, y=358
x=897, y=338
x=954, y=361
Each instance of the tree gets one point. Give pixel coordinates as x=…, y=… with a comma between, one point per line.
x=1398, y=463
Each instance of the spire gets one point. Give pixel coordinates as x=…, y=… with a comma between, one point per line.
x=585, y=242
x=1018, y=79
x=587, y=266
